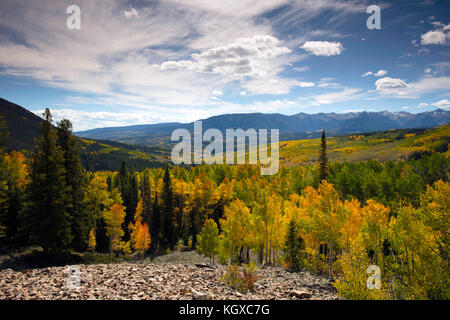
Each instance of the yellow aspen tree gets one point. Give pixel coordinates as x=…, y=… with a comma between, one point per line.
x=351, y=226
x=143, y=240
x=328, y=216
x=374, y=229
x=114, y=219
x=235, y=224
x=92, y=242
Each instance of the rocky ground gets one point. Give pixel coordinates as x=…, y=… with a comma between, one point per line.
x=150, y=281
x=156, y=279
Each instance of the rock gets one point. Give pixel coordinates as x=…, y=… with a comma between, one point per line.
x=202, y=265
x=197, y=295
x=301, y=294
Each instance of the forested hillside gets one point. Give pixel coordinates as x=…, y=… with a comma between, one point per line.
x=297, y=126
x=23, y=127
x=332, y=218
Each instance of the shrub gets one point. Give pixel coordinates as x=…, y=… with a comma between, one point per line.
x=242, y=281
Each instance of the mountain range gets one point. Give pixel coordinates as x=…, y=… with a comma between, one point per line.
x=298, y=126
x=148, y=145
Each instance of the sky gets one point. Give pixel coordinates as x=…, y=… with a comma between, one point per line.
x=139, y=62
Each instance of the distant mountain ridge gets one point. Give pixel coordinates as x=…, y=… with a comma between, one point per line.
x=298, y=126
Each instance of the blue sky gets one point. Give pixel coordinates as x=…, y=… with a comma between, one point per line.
x=136, y=62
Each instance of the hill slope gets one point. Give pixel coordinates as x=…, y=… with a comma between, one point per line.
x=23, y=127
x=299, y=126
x=393, y=145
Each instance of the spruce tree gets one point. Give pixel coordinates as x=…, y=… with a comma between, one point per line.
x=4, y=208
x=146, y=193
x=131, y=201
x=293, y=247
x=155, y=225
x=323, y=159
x=74, y=180
x=169, y=236
x=47, y=217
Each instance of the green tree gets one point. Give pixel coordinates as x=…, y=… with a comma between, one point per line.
x=3, y=177
x=293, y=251
x=208, y=240
x=168, y=233
x=47, y=217
x=323, y=159
x=74, y=180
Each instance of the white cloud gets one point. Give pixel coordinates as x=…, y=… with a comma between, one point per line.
x=217, y=93
x=389, y=83
x=306, y=84
x=434, y=37
x=380, y=73
x=427, y=70
x=243, y=93
x=438, y=36
x=131, y=13
x=301, y=69
x=423, y=105
x=253, y=56
x=323, y=48
x=347, y=94
x=400, y=89
x=442, y=104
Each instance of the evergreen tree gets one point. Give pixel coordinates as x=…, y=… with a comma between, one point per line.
x=13, y=181
x=131, y=201
x=146, y=193
x=156, y=222
x=169, y=236
x=293, y=247
x=74, y=180
x=47, y=218
x=3, y=132
x=3, y=179
x=323, y=159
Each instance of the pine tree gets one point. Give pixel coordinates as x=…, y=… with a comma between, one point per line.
x=74, y=180
x=146, y=193
x=47, y=218
x=293, y=247
x=15, y=175
x=156, y=222
x=3, y=178
x=169, y=236
x=323, y=159
x=132, y=200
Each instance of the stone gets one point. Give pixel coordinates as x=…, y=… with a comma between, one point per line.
x=301, y=294
x=197, y=295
